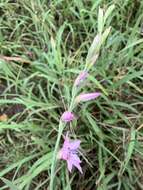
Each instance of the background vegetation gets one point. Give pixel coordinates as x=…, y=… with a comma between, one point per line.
x=43, y=45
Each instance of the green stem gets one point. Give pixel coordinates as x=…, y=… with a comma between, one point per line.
x=74, y=91
x=53, y=166
x=61, y=127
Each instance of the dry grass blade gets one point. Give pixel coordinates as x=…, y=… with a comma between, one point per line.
x=16, y=59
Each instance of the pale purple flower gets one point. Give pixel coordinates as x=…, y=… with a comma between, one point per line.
x=67, y=116
x=87, y=97
x=80, y=78
x=69, y=153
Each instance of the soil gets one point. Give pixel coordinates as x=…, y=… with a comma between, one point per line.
x=9, y=110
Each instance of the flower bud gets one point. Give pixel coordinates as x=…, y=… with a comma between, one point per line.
x=87, y=97
x=67, y=116
x=80, y=78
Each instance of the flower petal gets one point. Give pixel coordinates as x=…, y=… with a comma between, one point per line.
x=65, y=153
x=77, y=165
x=75, y=144
x=74, y=159
x=70, y=165
x=69, y=153
x=67, y=141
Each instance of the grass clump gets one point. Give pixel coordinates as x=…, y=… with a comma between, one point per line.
x=44, y=45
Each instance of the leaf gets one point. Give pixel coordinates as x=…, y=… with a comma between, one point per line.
x=108, y=12
x=100, y=20
x=131, y=146
x=39, y=166
x=135, y=87
x=101, y=164
x=132, y=44
x=128, y=77
x=9, y=184
x=107, y=150
x=125, y=105
x=18, y=164
x=97, y=83
x=94, y=48
x=96, y=129
x=105, y=34
x=129, y=151
x=17, y=59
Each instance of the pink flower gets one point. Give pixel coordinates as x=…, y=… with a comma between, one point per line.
x=88, y=96
x=69, y=153
x=67, y=116
x=80, y=78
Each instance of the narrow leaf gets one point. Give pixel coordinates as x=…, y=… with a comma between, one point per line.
x=108, y=12
x=100, y=21
x=9, y=184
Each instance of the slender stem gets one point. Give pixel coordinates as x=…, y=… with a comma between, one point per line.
x=61, y=127
x=74, y=91
x=53, y=166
